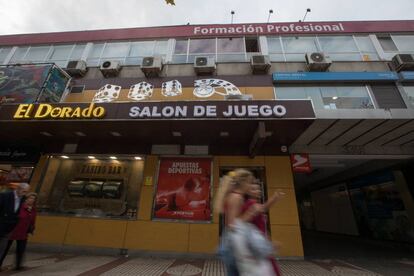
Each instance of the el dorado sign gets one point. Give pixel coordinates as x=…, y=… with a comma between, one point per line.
x=48, y=111
x=185, y=110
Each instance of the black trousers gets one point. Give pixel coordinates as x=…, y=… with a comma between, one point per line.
x=20, y=249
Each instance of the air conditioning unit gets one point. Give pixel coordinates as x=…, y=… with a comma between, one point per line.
x=152, y=66
x=403, y=62
x=110, y=68
x=260, y=64
x=317, y=62
x=76, y=68
x=204, y=65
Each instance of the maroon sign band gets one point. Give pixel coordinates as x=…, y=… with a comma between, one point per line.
x=222, y=30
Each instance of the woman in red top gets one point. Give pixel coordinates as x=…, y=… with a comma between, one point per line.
x=260, y=220
x=25, y=226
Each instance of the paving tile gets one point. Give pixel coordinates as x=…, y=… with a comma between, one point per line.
x=141, y=267
x=70, y=267
x=213, y=268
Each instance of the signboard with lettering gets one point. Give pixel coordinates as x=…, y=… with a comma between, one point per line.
x=295, y=77
x=227, y=30
x=273, y=109
x=19, y=154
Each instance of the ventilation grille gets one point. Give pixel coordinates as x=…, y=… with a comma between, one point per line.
x=406, y=58
x=259, y=59
x=201, y=61
x=317, y=57
x=148, y=61
x=77, y=89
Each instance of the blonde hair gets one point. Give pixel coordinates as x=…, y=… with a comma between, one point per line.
x=232, y=180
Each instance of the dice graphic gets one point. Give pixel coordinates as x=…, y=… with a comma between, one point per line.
x=141, y=91
x=107, y=93
x=171, y=88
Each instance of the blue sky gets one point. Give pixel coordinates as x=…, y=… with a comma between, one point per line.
x=31, y=16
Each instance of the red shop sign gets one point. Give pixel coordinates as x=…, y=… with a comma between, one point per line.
x=300, y=163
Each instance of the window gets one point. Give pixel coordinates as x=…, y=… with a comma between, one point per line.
x=329, y=97
x=296, y=47
x=4, y=52
x=115, y=51
x=204, y=47
x=367, y=48
x=223, y=49
x=340, y=47
x=387, y=44
x=19, y=55
x=409, y=91
x=180, y=51
x=37, y=54
x=62, y=54
x=95, y=54
x=275, y=49
x=141, y=49
x=230, y=49
x=405, y=43
x=101, y=187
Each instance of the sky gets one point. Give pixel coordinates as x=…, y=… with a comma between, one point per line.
x=35, y=16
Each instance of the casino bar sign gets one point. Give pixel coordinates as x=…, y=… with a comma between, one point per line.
x=185, y=110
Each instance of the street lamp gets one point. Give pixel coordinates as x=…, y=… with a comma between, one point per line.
x=306, y=13
x=270, y=13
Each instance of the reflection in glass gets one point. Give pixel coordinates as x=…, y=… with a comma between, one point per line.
x=116, y=50
x=326, y=97
x=181, y=47
x=202, y=46
x=404, y=42
x=230, y=45
x=338, y=44
x=299, y=44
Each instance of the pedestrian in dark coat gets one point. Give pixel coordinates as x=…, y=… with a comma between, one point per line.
x=25, y=226
x=10, y=203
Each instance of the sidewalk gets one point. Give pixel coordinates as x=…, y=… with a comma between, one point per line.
x=68, y=264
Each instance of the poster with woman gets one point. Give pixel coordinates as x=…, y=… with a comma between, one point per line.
x=183, y=189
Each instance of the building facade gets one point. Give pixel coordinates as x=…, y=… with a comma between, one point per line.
x=125, y=133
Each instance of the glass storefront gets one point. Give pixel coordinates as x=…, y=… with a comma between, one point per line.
x=379, y=209
x=91, y=186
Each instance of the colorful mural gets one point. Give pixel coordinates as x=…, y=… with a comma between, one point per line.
x=31, y=83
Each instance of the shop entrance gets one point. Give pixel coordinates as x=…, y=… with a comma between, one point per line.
x=350, y=205
x=259, y=173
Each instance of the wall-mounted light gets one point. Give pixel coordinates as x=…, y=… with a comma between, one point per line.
x=138, y=158
x=65, y=157
x=116, y=134
x=113, y=157
x=45, y=133
x=91, y=157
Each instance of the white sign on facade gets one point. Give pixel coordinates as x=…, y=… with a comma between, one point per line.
x=203, y=88
x=208, y=87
